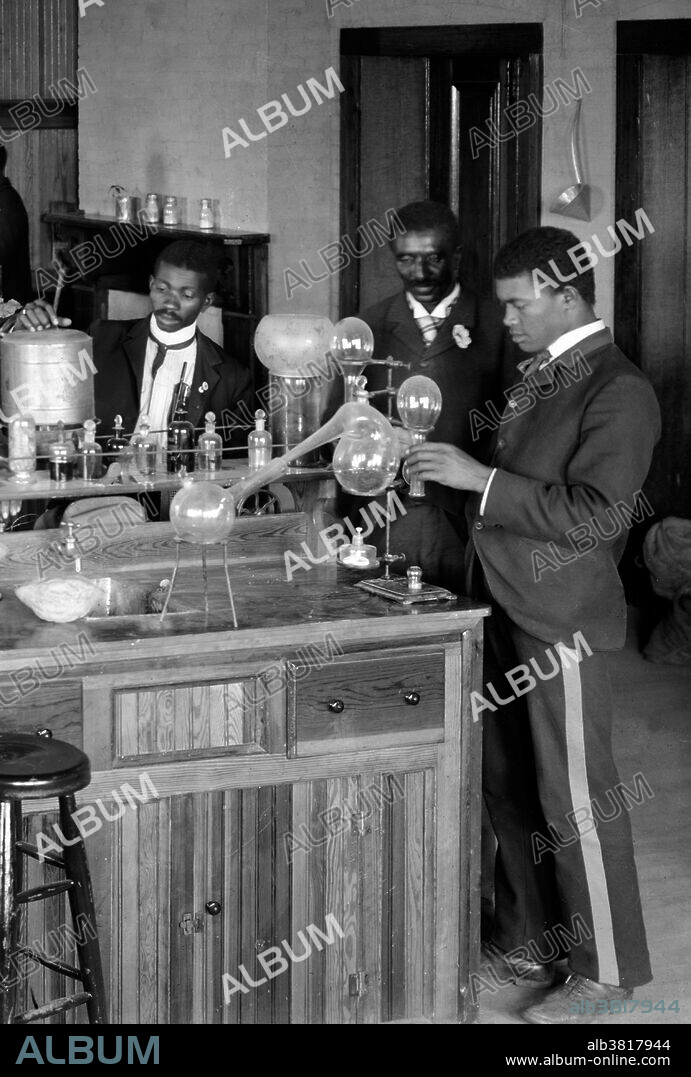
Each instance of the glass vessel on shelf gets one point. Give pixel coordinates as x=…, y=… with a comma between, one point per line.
x=116, y=442
x=88, y=459
x=209, y=448
x=259, y=442
x=22, y=448
x=352, y=346
x=206, y=213
x=61, y=456
x=144, y=449
x=419, y=405
x=180, y=442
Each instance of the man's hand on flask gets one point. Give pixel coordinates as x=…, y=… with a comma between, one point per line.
x=40, y=315
x=436, y=462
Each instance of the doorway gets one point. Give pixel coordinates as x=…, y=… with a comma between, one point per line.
x=426, y=115
x=653, y=279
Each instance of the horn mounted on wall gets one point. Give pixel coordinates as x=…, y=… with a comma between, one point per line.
x=574, y=201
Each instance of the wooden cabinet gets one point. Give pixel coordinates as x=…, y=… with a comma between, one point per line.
x=258, y=854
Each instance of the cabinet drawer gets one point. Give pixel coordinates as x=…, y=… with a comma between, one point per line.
x=366, y=702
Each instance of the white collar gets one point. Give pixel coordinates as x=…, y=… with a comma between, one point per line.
x=442, y=308
x=178, y=336
x=574, y=336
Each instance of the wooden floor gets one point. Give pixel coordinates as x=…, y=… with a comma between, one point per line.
x=653, y=737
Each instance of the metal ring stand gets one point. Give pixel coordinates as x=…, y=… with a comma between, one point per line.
x=204, y=578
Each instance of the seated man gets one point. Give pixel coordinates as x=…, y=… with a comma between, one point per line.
x=443, y=331
x=139, y=362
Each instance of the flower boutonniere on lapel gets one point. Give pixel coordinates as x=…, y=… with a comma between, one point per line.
x=203, y=387
x=461, y=336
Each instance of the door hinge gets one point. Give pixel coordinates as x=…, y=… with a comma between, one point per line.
x=358, y=984
x=357, y=824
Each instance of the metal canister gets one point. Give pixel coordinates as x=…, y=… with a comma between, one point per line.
x=152, y=209
x=49, y=375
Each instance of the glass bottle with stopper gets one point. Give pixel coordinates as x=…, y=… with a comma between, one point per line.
x=357, y=554
x=259, y=442
x=116, y=442
x=180, y=443
x=88, y=460
x=210, y=448
x=61, y=456
x=22, y=448
x=144, y=449
x=419, y=406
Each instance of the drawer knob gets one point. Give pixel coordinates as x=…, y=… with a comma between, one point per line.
x=336, y=706
x=213, y=907
x=412, y=698
x=44, y=733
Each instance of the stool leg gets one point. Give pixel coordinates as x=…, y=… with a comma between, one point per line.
x=10, y=884
x=82, y=904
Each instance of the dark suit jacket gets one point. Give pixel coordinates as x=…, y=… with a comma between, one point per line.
x=14, y=245
x=580, y=449
x=467, y=377
x=119, y=352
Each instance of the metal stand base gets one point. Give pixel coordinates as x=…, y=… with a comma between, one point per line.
x=205, y=580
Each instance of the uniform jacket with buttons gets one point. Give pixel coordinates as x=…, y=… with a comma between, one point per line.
x=571, y=454
x=220, y=384
x=467, y=377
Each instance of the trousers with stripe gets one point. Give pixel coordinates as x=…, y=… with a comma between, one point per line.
x=547, y=756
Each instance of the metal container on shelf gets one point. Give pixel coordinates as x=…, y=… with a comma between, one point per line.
x=49, y=375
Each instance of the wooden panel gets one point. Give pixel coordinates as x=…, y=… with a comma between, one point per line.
x=55, y=706
x=190, y=718
x=372, y=691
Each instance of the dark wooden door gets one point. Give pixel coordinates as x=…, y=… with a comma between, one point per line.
x=653, y=277
x=413, y=98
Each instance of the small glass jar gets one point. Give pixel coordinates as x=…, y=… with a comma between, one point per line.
x=206, y=213
x=210, y=448
x=22, y=448
x=259, y=443
x=88, y=460
x=170, y=210
x=152, y=209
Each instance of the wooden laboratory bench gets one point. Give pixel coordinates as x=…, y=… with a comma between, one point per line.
x=316, y=770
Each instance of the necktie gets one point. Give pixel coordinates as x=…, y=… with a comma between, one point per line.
x=532, y=365
x=428, y=326
x=162, y=351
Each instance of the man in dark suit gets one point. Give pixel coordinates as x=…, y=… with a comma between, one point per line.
x=139, y=362
x=442, y=330
x=15, y=266
x=574, y=445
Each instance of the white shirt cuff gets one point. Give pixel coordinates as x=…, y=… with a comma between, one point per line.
x=483, y=503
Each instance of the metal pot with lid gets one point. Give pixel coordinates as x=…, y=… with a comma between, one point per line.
x=49, y=375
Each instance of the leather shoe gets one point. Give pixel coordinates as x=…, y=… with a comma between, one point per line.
x=577, y=1001
x=518, y=969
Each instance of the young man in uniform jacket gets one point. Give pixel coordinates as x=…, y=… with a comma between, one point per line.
x=571, y=453
x=442, y=330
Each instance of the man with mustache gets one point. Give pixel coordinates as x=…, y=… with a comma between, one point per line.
x=438, y=326
x=139, y=362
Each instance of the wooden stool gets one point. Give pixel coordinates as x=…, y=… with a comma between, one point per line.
x=35, y=766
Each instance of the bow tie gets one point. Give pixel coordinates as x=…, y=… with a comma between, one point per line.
x=163, y=350
x=534, y=363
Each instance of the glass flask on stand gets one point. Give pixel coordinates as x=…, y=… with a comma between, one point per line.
x=419, y=405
